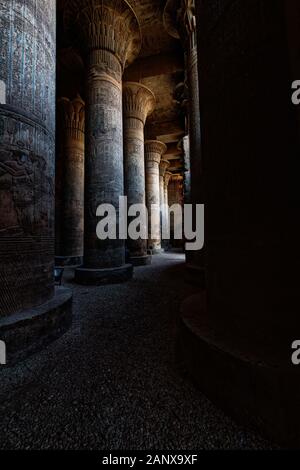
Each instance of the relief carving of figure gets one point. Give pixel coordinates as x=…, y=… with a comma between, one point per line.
x=18, y=197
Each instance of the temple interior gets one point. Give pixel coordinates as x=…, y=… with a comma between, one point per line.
x=140, y=343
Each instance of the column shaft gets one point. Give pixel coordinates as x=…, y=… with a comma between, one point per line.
x=195, y=259
x=104, y=179
x=138, y=102
x=154, y=151
x=161, y=194
x=27, y=143
x=27, y=161
x=164, y=164
x=108, y=32
x=194, y=121
x=244, y=325
x=187, y=169
x=175, y=193
x=168, y=176
x=70, y=182
x=180, y=22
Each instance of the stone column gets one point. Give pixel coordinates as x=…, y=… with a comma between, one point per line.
x=154, y=150
x=70, y=173
x=164, y=165
x=187, y=169
x=181, y=95
x=195, y=272
x=138, y=103
x=244, y=326
x=175, y=192
x=109, y=32
x=180, y=22
x=189, y=36
x=27, y=160
x=167, y=178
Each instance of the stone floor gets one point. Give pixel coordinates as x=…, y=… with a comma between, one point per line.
x=112, y=382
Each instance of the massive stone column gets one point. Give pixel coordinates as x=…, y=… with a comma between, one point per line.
x=189, y=38
x=30, y=309
x=138, y=103
x=187, y=30
x=109, y=33
x=70, y=173
x=244, y=327
x=154, y=150
x=164, y=165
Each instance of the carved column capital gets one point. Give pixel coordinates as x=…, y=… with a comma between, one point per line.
x=110, y=26
x=187, y=15
x=180, y=20
x=154, y=149
x=71, y=116
x=170, y=18
x=168, y=176
x=163, y=166
x=177, y=178
x=138, y=101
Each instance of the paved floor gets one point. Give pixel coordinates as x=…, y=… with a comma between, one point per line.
x=112, y=382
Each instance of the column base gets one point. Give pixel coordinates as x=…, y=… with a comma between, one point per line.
x=140, y=260
x=68, y=261
x=27, y=332
x=97, y=277
x=256, y=389
x=195, y=275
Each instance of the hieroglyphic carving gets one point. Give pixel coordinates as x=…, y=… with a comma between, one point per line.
x=104, y=167
x=109, y=33
x=185, y=145
x=105, y=25
x=180, y=20
x=185, y=23
x=154, y=150
x=164, y=165
x=168, y=176
x=175, y=195
x=138, y=103
x=70, y=164
x=27, y=125
x=187, y=18
x=27, y=37
x=71, y=114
